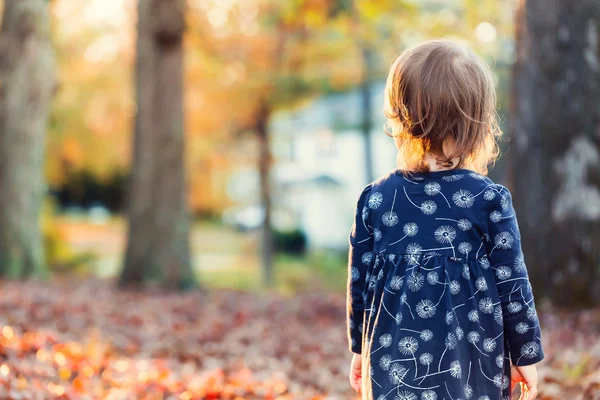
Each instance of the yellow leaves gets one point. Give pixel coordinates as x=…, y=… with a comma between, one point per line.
x=72, y=153
x=64, y=373
x=8, y=332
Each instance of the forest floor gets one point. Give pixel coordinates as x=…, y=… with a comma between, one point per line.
x=84, y=339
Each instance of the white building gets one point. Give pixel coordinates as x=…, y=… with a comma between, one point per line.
x=319, y=168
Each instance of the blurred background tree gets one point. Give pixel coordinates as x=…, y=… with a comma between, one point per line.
x=158, y=240
x=555, y=159
x=26, y=87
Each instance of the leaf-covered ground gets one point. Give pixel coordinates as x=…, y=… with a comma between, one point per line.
x=88, y=340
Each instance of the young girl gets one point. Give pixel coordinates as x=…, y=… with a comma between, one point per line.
x=439, y=302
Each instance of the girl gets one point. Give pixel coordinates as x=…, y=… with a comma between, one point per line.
x=439, y=302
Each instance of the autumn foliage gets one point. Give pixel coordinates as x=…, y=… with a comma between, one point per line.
x=75, y=339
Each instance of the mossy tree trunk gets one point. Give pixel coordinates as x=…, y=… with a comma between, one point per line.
x=26, y=87
x=158, y=248
x=555, y=150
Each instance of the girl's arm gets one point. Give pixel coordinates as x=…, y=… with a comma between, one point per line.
x=361, y=244
x=521, y=325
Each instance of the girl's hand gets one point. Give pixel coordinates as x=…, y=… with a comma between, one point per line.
x=528, y=379
x=356, y=372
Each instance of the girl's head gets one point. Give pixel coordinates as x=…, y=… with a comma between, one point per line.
x=440, y=101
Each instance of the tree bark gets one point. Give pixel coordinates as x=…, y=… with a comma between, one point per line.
x=26, y=87
x=555, y=169
x=367, y=108
x=158, y=239
x=264, y=168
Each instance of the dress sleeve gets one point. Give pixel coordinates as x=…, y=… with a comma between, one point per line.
x=503, y=248
x=360, y=254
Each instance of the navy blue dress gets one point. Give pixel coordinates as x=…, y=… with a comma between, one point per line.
x=439, y=301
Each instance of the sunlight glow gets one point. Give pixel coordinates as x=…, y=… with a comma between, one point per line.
x=486, y=32
x=217, y=16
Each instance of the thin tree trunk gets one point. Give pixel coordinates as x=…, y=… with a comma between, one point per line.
x=264, y=168
x=26, y=86
x=158, y=240
x=555, y=151
x=367, y=109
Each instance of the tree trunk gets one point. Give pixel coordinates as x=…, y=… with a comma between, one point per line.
x=367, y=108
x=264, y=168
x=158, y=242
x=555, y=170
x=26, y=86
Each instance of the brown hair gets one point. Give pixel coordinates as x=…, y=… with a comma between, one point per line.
x=440, y=98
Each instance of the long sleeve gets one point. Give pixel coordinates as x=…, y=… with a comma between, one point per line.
x=503, y=248
x=360, y=254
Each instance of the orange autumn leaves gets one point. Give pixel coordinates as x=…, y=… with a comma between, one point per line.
x=84, y=339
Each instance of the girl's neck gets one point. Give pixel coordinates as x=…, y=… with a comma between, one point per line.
x=433, y=164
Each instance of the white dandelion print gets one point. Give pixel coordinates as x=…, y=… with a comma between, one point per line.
x=489, y=195
x=367, y=257
x=409, y=229
x=455, y=369
x=519, y=263
x=390, y=218
x=459, y=333
x=514, y=307
x=426, y=335
x=385, y=362
x=529, y=350
x=355, y=274
x=486, y=305
x=522, y=328
x=451, y=342
x=463, y=198
x=464, y=224
x=405, y=395
x=415, y=281
x=531, y=314
x=503, y=272
x=500, y=360
x=425, y=308
x=505, y=203
x=498, y=315
x=433, y=189
x=465, y=248
x=377, y=235
x=496, y=216
x=428, y=207
x=426, y=359
x=375, y=200
x=408, y=345
x=397, y=282
x=489, y=345
x=503, y=241
x=445, y=234
x=413, y=252
x=433, y=278
x=453, y=178
x=484, y=263
x=429, y=395
x=481, y=284
x=474, y=338
x=396, y=373
x=454, y=287
x=473, y=316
